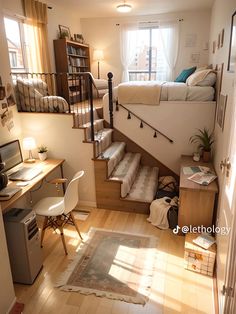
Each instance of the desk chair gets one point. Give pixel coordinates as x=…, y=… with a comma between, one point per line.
x=57, y=211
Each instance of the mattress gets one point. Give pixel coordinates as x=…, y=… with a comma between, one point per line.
x=172, y=91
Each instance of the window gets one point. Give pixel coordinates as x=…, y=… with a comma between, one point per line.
x=150, y=62
x=14, y=35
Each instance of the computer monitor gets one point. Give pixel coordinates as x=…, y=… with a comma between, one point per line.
x=10, y=154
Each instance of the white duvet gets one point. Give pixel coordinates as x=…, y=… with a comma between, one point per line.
x=171, y=91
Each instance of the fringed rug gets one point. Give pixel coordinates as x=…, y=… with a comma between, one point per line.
x=115, y=265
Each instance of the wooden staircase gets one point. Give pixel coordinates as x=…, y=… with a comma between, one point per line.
x=126, y=176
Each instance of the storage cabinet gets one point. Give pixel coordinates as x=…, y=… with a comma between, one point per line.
x=71, y=58
x=196, y=202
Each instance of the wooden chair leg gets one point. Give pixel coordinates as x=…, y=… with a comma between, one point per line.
x=43, y=229
x=76, y=227
x=63, y=239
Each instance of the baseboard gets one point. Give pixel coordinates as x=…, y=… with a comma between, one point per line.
x=87, y=203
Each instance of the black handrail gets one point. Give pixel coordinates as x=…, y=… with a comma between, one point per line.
x=142, y=122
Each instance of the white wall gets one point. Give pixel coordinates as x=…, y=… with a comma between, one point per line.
x=102, y=33
x=56, y=132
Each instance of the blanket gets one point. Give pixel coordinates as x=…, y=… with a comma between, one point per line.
x=145, y=93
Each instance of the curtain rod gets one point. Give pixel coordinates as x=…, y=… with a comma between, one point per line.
x=150, y=22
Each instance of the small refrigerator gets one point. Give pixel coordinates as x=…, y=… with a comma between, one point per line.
x=23, y=242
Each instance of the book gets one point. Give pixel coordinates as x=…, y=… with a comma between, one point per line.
x=195, y=169
x=203, y=178
x=204, y=240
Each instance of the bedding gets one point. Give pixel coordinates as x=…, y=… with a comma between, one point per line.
x=171, y=91
x=202, y=78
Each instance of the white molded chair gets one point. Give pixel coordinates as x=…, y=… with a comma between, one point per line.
x=58, y=210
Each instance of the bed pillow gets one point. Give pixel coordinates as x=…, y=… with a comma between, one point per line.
x=202, y=78
x=182, y=77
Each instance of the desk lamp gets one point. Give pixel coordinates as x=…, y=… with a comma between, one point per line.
x=29, y=144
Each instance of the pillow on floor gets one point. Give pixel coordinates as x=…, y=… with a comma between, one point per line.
x=182, y=77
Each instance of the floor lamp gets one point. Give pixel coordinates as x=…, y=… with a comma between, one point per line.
x=98, y=56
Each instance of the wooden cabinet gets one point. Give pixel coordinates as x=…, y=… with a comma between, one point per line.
x=196, y=201
x=71, y=58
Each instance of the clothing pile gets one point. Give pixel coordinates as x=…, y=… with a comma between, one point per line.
x=164, y=209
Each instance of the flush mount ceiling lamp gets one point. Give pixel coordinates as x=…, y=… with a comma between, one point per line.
x=124, y=7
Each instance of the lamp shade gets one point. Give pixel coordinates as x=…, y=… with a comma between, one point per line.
x=29, y=143
x=98, y=55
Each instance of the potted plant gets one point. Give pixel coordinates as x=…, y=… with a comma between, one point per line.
x=42, y=152
x=204, y=139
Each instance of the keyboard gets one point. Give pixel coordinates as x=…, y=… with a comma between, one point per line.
x=8, y=192
x=25, y=174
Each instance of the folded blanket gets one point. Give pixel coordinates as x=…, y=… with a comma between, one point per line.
x=145, y=93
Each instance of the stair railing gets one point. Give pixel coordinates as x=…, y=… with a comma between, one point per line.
x=76, y=88
x=130, y=113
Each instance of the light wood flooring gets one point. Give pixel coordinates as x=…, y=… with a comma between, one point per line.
x=174, y=289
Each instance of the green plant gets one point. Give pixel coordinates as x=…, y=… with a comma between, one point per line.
x=42, y=149
x=204, y=139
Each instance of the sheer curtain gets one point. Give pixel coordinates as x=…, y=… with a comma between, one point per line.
x=36, y=36
x=169, y=34
x=128, y=42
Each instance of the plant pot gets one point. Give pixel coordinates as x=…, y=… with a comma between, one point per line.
x=42, y=156
x=206, y=156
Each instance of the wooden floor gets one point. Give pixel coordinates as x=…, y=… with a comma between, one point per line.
x=174, y=289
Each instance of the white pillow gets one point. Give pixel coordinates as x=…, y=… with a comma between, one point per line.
x=202, y=78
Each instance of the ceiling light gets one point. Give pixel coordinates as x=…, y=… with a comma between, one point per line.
x=124, y=8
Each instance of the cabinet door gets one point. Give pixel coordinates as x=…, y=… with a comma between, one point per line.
x=196, y=208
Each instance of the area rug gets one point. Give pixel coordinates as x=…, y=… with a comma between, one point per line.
x=115, y=265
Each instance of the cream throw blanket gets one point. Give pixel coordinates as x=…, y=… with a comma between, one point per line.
x=145, y=93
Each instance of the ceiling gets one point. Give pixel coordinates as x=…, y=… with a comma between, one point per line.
x=107, y=8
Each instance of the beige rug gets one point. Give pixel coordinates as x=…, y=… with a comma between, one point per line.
x=115, y=265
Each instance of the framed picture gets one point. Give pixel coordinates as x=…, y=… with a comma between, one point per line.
x=222, y=35
x=221, y=110
x=64, y=32
x=232, y=45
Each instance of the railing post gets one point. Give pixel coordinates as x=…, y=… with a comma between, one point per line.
x=90, y=80
x=110, y=76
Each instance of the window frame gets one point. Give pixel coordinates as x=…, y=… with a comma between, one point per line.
x=20, y=21
x=150, y=72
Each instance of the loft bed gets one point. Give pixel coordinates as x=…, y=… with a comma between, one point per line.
x=190, y=105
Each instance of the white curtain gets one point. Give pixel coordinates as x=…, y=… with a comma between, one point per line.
x=128, y=39
x=169, y=34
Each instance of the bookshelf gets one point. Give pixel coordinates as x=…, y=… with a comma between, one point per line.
x=71, y=57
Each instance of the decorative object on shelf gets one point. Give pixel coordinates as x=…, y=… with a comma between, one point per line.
x=124, y=7
x=204, y=139
x=98, y=56
x=42, y=152
x=2, y=90
x=79, y=38
x=10, y=95
x=29, y=144
x=221, y=110
x=232, y=46
x=64, y=32
x=196, y=156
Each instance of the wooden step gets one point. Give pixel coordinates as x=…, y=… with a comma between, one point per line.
x=82, y=116
x=103, y=139
x=126, y=171
x=114, y=153
x=98, y=125
x=145, y=185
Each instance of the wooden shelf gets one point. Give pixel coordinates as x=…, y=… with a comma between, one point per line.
x=71, y=57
